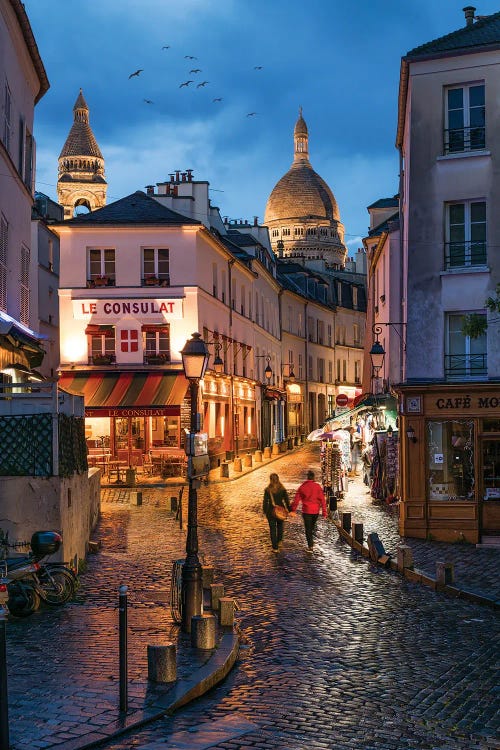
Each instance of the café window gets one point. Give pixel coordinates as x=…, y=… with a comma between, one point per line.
x=156, y=343
x=450, y=452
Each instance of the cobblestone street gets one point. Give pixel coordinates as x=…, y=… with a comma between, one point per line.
x=337, y=653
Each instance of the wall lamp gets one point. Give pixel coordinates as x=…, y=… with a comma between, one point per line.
x=377, y=352
x=410, y=434
x=268, y=373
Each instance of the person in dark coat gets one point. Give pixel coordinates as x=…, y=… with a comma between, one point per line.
x=275, y=494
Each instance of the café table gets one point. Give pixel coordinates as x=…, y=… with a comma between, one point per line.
x=116, y=467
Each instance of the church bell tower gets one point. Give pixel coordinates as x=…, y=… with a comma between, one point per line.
x=81, y=180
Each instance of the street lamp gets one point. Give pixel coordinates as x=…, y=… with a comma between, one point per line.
x=218, y=362
x=194, y=361
x=291, y=375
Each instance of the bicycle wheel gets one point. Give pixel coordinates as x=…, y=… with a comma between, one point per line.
x=56, y=586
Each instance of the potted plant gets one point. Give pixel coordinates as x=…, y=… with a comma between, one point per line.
x=151, y=280
x=103, y=359
x=101, y=280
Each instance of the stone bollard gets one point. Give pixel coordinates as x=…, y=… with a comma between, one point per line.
x=257, y=457
x=162, y=663
x=226, y=611
x=357, y=532
x=216, y=592
x=135, y=497
x=207, y=576
x=237, y=464
x=377, y=549
x=405, y=558
x=247, y=459
x=267, y=452
x=445, y=575
x=130, y=477
x=224, y=469
x=203, y=631
x=276, y=450
x=346, y=521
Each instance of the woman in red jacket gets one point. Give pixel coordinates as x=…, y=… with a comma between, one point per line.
x=313, y=500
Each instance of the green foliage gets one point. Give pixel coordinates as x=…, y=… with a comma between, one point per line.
x=474, y=325
x=493, y=303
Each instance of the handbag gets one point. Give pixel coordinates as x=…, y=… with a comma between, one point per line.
x=279, y=511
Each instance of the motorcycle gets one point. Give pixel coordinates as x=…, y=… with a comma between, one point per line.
x=29, y=579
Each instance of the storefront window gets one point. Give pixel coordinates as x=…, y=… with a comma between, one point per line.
x=451, y=460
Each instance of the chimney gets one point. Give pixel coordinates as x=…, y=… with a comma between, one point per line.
x=189, y=173
x=256, y=221
x=177, y=173
x=172, y=176
x=184, y=176
x=150, y=189
x=469, y=11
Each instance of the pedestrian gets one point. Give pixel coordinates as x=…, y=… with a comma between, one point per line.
x=275, y=494
x=313, y=500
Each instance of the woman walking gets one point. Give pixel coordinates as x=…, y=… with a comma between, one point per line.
x=275, y=495
x=311, y=495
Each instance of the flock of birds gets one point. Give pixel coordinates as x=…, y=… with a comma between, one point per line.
x=186, y=84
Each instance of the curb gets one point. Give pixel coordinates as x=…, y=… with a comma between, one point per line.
x=182, y=692
x=417, y=576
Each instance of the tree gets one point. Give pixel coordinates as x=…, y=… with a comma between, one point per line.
x=475, y=325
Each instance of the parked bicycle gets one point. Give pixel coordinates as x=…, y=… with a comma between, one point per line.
x=31, y=578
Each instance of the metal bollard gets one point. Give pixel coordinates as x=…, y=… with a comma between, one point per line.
x=357, y=532
x=122, y=609
x=4, y=698
x=346, y=521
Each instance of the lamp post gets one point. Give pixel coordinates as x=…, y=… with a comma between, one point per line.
x=194, y=360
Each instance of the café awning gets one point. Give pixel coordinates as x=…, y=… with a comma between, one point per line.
x=127, y=394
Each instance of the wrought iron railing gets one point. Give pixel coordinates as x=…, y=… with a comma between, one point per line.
x=464, y=254
x=458, y=366
x=457, y=140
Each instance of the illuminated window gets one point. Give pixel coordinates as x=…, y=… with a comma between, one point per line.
x=156, y=266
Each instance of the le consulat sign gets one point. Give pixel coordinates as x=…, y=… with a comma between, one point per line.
x=103, y=310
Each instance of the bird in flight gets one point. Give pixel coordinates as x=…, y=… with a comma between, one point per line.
x=258, y=67
x=166, y=46
x=203, y=83
x=219, y=99
x=195, y=70
x=148, y=101
x=137, y=73
x=190, y=57
x=251, y=114
x=186, y=83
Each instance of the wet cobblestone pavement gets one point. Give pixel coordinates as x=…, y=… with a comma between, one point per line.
x=337, y=654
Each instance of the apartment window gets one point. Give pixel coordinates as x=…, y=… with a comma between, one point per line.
x=101, y=344
x=330, y=371
x=329, y=334
x=321, y=370
x=464, y=119
x=338, y=370
x=355, y=297
x=465, y=357
x=243, y=297
x=223, y=286
x=285, y=232
x=465, y=234
x=26, y=155
x=310, y=367
x=250, y=304
x=101, y=266
x=24, y=297
x=321, y=331
x=357, y=371
x=310, y=329
x=156, y=266
x=214, y=279
x=339, y=293
x=233, y=294
x=257, y=317
x=355, y=333
x=4, y=238
x=7, y=125
x=301, y=369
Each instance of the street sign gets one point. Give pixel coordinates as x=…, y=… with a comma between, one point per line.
x=342, y=399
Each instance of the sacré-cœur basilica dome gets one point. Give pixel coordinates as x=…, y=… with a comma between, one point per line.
x=302, y=214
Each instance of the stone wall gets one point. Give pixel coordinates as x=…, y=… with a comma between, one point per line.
x=68, y=505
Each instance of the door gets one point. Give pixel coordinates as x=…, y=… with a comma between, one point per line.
x=490, y=486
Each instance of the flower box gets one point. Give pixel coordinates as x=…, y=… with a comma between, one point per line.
x=101, y=280
x=103, y=359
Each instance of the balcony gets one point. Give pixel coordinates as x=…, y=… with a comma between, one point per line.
x=162, y=279
x=459, y=140
x=465, y=366
x=156, y=359
x=97, y=281
x=464, y=255
x=103, y=359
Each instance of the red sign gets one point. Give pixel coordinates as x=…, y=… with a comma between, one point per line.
x=342, y=399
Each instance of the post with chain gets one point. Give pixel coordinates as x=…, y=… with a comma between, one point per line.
x=122, y=608
x=4, y=699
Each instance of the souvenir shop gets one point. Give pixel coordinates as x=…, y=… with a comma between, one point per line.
x=335, y=463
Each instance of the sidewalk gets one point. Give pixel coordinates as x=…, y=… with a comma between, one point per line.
x=475, y=569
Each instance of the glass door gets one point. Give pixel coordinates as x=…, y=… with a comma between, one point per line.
x=490, y=486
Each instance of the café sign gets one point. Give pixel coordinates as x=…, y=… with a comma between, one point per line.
x=466, y=402
x=107, y=310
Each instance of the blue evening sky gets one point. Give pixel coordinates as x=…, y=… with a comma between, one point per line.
x=338, y=59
